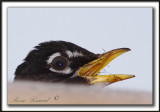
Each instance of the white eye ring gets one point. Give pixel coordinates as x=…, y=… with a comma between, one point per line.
x=67, y=70
x=52, y=57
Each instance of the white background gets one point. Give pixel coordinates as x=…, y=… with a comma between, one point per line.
x=154, y=5
x=92, y=28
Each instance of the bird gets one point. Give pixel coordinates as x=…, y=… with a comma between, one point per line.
x=65, y=62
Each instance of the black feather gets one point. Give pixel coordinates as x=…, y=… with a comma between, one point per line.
x=36, y=68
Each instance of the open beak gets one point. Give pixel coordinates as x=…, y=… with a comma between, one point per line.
x=89, y=71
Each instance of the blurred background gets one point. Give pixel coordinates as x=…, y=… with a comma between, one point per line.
x=96, y=29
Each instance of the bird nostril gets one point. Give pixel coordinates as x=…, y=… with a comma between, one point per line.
x=98, y=55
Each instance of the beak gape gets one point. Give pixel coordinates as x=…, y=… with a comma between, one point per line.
x=89, y=71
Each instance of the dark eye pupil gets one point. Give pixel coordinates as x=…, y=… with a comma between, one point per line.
x=59, y=63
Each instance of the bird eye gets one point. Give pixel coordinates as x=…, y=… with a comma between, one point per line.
x=59, y=63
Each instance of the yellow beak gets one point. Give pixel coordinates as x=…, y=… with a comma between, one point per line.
x=90, y=70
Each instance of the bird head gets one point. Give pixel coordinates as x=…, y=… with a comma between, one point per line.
x=60, y=61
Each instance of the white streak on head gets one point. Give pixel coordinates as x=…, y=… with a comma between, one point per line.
x=69, y=53
x=73, y=54
x=52, y=57
x=77, y=54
